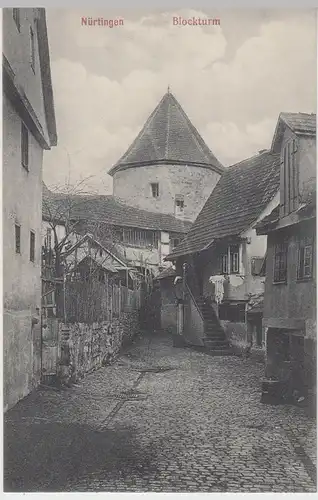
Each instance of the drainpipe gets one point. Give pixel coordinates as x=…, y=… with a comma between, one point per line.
x=184, y=282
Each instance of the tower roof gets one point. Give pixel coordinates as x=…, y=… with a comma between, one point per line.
x=168, y=137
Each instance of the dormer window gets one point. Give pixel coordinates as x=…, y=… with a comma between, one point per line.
x=155, y=189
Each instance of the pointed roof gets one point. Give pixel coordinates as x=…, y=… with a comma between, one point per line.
x=168, y=137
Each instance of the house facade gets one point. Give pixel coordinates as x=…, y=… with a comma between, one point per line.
x=141, y=238
x=290, y=287
x=170, y=167
x=221, y=258
x=28, y=129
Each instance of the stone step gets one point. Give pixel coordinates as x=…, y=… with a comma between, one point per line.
x=216, y=326
x=213, y=324
x=223, y=352
x=215, y=338
x=214, y=331
x=208, y=341
x=222, y=347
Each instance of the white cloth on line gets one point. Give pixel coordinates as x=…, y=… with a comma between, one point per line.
x=218, y=282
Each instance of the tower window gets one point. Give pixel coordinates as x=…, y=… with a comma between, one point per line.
x=32, y=246
x=179, y=204
x=17, y=238
x=155, y=189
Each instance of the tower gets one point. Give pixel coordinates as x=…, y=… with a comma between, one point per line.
x=168, y=168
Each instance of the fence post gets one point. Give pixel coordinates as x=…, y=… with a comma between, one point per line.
x=119, y=299
x=111, y=301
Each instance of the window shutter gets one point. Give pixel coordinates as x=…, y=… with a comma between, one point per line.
x=295, y=174
x=282, y=181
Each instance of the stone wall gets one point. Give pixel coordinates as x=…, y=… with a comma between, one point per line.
x=85, y=347
x=193, y=182
x=237, y=335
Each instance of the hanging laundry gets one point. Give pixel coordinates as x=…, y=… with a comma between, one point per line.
x=218, y=282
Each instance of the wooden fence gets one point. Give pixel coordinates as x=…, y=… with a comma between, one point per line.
x=92, y=301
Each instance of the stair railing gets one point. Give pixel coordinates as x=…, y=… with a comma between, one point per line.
x=194, y=301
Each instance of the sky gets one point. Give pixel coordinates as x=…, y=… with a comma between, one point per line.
x=232, y=80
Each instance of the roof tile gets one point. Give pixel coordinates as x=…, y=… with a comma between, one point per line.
x=168, y=136
x=300, y=122
x=238, y=199
x=109, y=210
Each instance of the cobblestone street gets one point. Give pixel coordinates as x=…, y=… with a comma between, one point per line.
x=160, y=419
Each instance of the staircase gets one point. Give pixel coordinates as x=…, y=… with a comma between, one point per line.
x=215, y=339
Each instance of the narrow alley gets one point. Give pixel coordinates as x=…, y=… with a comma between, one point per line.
x=160, y=419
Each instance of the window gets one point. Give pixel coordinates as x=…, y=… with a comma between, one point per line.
x=155, y=190
x=16, y=17
x=17, y=238
x=230, y=260
x=234, y=257
x=280, y=262
x=24, y=147
x=258, y=266
x=32, y=246
x=118, y=234
x=101, y=276
x=32, y=49
x=305, y=259
x=140, y=238
x=179, y=204
x=224, y=264
x=289, y=177
x=175, y=242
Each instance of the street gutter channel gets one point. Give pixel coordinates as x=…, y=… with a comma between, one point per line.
x=130, y=396
x=301, y=454
x=121, y=403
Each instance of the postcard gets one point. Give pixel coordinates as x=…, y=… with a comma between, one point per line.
x=159, y=255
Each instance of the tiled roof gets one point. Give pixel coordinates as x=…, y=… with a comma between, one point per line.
x=107, y=209
x=300, y=123
x=168, y=136
x=108, y=246
x=268, y=220
x=307, y=208
x=243, y=191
